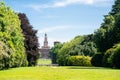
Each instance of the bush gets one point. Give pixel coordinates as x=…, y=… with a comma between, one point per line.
x=62, y=59
x=108, y=53
x=97, y=60
x=114, y=59
x=78, y=61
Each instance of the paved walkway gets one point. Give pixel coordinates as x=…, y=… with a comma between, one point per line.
x=48, y=65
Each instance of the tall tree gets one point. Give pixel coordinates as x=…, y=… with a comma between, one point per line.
x=12, y=51
x=109, y=33
x=31, y=40
x=103, y=37
x=115, y=8
x=54, y=52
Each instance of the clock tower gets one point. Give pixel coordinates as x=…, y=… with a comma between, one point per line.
x=45, y=50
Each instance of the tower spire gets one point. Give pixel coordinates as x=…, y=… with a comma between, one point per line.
x=45, y=41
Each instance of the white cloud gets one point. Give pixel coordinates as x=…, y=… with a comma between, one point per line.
x=64, y=3
x=69, y=2
x=50, y=29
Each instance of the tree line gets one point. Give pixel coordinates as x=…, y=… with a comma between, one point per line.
x=19, y=43
x=103, y=46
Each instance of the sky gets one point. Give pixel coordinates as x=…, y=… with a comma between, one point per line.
x=62, y=20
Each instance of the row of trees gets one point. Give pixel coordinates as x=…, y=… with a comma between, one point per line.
x=107, y=39
x=102, y=46
x=18, y=40
x=80, y=46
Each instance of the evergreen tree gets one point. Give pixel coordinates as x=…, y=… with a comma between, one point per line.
x=31, y=40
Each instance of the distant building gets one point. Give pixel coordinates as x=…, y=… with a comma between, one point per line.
x=45, y=50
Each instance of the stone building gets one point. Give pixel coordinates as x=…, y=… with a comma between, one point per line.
x=45, y=50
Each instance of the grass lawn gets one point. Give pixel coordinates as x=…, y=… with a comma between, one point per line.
x=60, y=73
x=44, y=61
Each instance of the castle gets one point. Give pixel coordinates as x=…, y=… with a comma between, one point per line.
x=45, y=50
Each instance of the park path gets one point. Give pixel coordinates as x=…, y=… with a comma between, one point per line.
x=47, y=65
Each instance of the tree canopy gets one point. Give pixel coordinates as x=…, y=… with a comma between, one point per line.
x=12, y=51
x=31, y=40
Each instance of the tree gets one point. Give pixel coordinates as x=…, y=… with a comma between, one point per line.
x=80, y=45
x=54, y=52
x=103, y=37
x=31, y=40
x=88, y=47
x=108, y=35
x=12, y=51
x=68, y=50
x=115, y=8
x=114, y=58
x=116, y=29
x=107, y=54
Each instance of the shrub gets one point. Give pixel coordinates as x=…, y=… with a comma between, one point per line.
x=78, y=61
x=108, y=53
x=97, y=60
x=114, y=59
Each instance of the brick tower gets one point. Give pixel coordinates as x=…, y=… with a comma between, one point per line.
x=45, y=50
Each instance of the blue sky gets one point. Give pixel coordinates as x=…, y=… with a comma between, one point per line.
x=62, y=20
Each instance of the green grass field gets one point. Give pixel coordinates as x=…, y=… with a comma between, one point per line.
x=44, y=61
x=60, y=73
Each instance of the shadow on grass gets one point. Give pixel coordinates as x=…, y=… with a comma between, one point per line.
x=84, y=67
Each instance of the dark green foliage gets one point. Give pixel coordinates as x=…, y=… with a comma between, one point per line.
x=115, y=8
x=78, y=61
x=54, y=52
x=88, y=47
x=80, y=45
x=31, y=40
x=103, y=37
x=116, y=29
x=114, y=59
x=109, y=33
x=69, y=49
x=106, y=61
x=12, y=51
x=97, y=60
